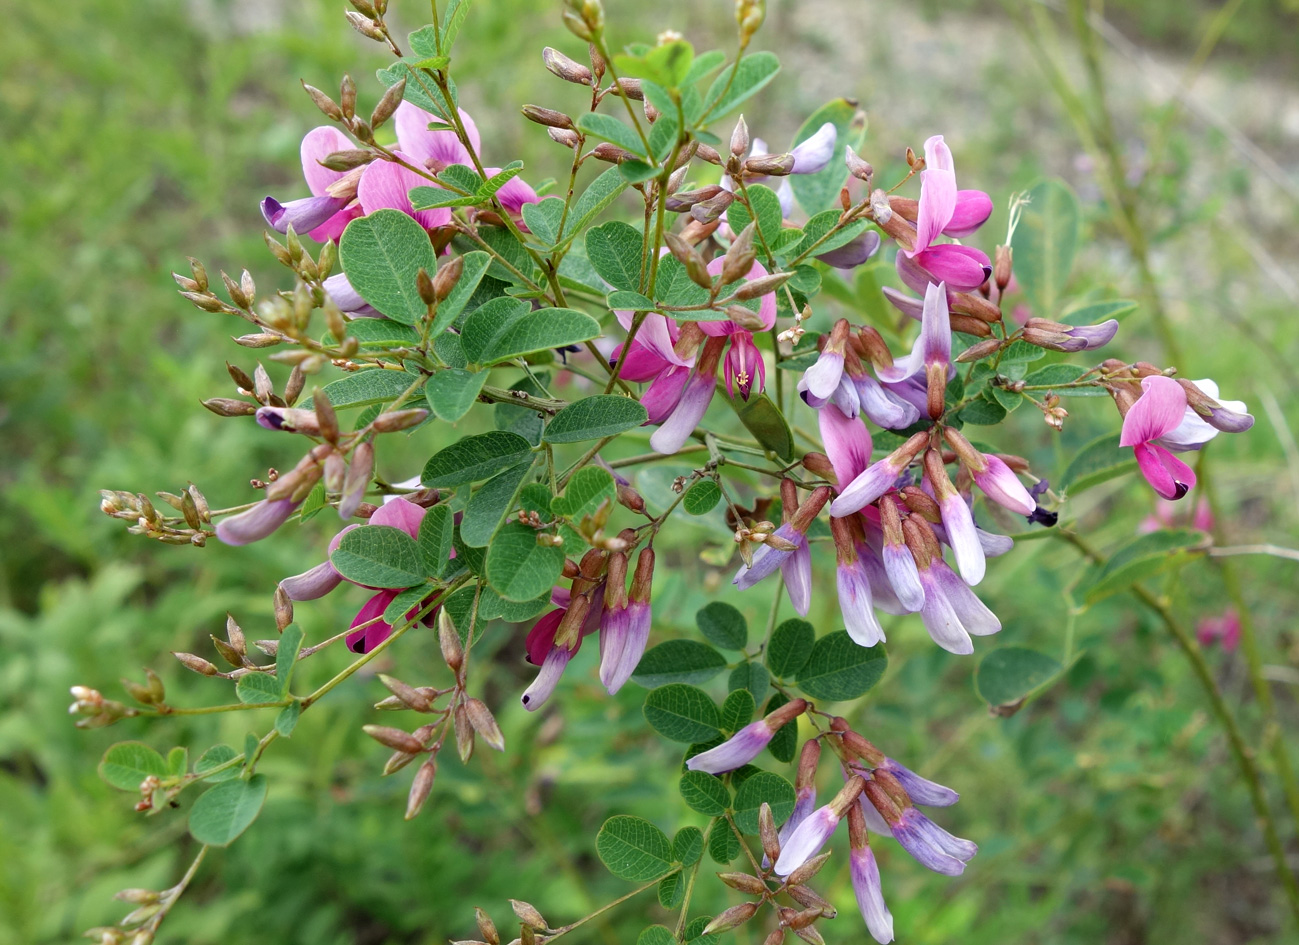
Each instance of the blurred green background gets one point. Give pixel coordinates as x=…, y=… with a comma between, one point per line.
x=1107, y=811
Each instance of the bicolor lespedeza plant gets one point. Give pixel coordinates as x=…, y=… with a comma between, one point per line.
x=676, y=292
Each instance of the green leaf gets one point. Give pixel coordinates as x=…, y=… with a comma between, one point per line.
x=1018, y=352
x=506, y=328
x=178, y=761
x=817, y=228
x=633, y=849
x=214, y=757
x=611, y=129
x=379, y=556
x=381, y=254
x=671, y=893
x=1044, y=244
x=982, y=411
x=751, y=676
x=286, y=655
x=704, y=64
x=704, y=793
x=1054, y=374
x=622, y=300
x=601, y=192
x=1099, y=461
x=763, y=419
x=1096, y=312
x=1142, y=557
x=488, y=506
x=838, y=669
x=227, y=810
x=474, y=458
x=314, y=502
x=790, y=648
x=395, y=613
x=763, y=787
x=518, y=568
x=657, y=934
x=766, y=205
x=1010, y=673
x=750, y=74
x=586, y=490
x=429, y=197
x=492, y=186
x=614, y=249
x=126, y=764
x=678, y=661
x=256, y=688
x=475, y=265
x=723, y=847
x=785, y=742
x=688, y=846
x=452, y=19
x=287, y=720
x=737, y=710
x=1008, y=400
x=723, y=625
x=366, y=387
x=820, y=191
x=435, y=536
x=451, y=392
x=702, y=497
x=593, y=418
x=381, y=332
x=682, y=713
x=423, y=42
x=543, y=219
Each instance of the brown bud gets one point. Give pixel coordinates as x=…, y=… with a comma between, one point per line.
x=416, y=699
x=772, y=165
x=447, y=277
x=259, y=340
x=1002, y=265
x=569, y=139
x=740, y=138
x=393, y=421
x=740, y=256
x=453, y=653
x=768, y=833
x=630, y=499
x=424, y=286
x=776, y=937
x=979, y=350
x=570, y=70
x=711, y=210
x=547, y=116
x=732, y=917
x=808, y=870
x=348, y=159
x=196, y=664
x=484, y=723
x=283, y=609
x=631, y=88
x=229, y=407
x=364, y=25
x=528, y=915
x=611, y=153
x=326, y=104
x=709, y=154
x=420, y=788
x=857, y=167
x=969, y=325
x=804, y=919
x=388, y=104
x=293, y=386
x=394, y=738
x=744, y=883
x=696, y=268
x=464, y=733
x=486, y=927
x=681, y=202
x=763, y=285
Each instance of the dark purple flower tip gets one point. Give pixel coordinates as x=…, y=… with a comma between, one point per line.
x=853, y=253
x=303, y=215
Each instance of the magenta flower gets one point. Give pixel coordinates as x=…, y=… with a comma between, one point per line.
x=323, y=215
x=552, y=659
x=1225, y=630
x=946, y=211
x=387, y=185
x=1158, y=412
x=696, y=393
x=766, y=305
x=744, y=366
x=847, y=444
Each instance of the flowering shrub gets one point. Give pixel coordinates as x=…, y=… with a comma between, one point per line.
x=721, y=320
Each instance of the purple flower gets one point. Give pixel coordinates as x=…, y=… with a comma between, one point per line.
x=814, y=153
x=865, y=876
x=899, y=564
x=317, y=144
x=696, y=395
x=1060, y=337
x=747, y=743
x=853, y=253
x=930, y=845
x=847, y=444
x=257, y=522
x=823, y=377
x=921, y=790
x=808, y=837
x=957, y=520
x=744, y=366
x=781, y=550
x=854, y=587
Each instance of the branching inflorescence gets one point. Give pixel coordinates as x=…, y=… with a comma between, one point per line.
x=443, y=282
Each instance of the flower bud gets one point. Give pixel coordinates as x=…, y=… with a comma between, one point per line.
x=326, y=104
x=484, y=723
x=410, y=696
x=631, y=88
x=394, y=421
x=740, y=138
x=229, y=407
x=856, y=166
x=696, y=268
x=420, y=788
x=486, y=927
x=732, y=917
x=464, y=733
x=196, y=664
x=528, y=915
x=768, y=833
x=388, y=104
x=772, y=165
x=763, y=285
x=394, y=738
x=568, y=139
x=807, y=871
x=744, y=883
x=740, y=256
x=453, y=653
x=979, y=351
x=565, y=68
x=611, y=153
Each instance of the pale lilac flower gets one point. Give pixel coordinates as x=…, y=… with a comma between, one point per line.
x=348, y=299
x=853, y=253
x=878, y=478
x=930, y=845
x=1060, y=337
x=899, y=564
x=1205, y=417
x=865, y=876
x=991, y=474
x=614, y=623
x=796, y=572
x=1159, y=411
x=822, y=378
x=746, y=744
x=951, y=612
x=808, y=837
x=958, y=523
x=814, y=153
x=854, y=587
x=780, y=549
x=921, y=790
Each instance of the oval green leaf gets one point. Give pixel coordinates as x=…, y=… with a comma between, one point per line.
x=474, y=458
x=226, y=810
x=381, y=253
x=723, y=625
x=682, y=713
x=518, y=568
x=633, y=849
x=838, y=669
x=126, y=764
x=757, y=789
x=379, y=556
x=595, y=417
x=1010, y=673
x=678, y=661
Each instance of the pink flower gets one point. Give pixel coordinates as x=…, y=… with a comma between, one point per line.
x=766, y=305
x=744, y=367
x=944, y=210
x=1225, y=630
x=323, y=214
x=1159, y=411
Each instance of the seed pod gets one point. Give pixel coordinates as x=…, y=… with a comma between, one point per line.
x=809, y=899
x=570, y=70
x=388, y=104
x=528, y=915
x=808, y=870
x=408, y=695
x=420, y=788
x=484, y=723
x=803, y=919
x=486, y=927
x=547, y=116
x=394, y=421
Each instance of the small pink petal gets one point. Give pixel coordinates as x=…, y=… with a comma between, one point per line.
x=318, y=144
x=1159, y=410
x=385, y=184
x=973, y=207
